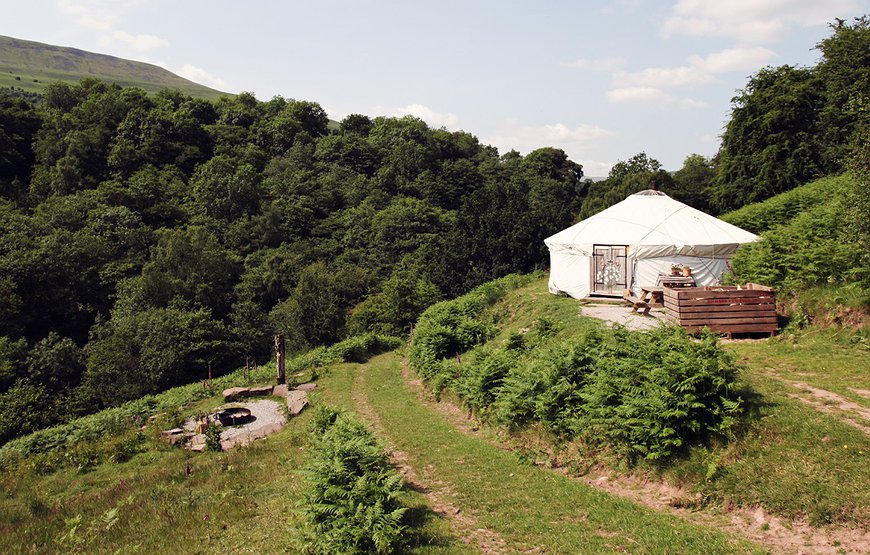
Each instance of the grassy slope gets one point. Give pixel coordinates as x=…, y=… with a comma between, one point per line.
x=780, y=209
x=792, y=460
x=786, y=458
x=35, y=65
x=527, y=507
x=242, y=501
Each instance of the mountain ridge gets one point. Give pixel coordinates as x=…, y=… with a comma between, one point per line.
x=31, y=66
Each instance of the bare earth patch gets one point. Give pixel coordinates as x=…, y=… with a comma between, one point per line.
x=829, y=402
x=778, y=535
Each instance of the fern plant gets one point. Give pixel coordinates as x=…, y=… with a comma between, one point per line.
x=351, y=504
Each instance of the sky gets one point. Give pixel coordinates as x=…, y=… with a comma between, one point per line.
x=603, y=80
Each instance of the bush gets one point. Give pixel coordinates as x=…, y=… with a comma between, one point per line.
x=452, y=327
x=643, y=395
x=351, y=503
x=808, y=239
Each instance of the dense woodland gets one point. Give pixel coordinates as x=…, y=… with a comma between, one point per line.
x=145, y=239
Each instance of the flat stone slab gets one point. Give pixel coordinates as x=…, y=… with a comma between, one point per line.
x=234, y=393
x=250, y=436
x=261, y=390
x=306, y=387
x=280, y=390
x=296, y=401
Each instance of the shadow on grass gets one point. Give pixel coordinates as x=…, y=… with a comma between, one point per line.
x=424, y=526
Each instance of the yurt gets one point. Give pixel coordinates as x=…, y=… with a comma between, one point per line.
x=634, y=242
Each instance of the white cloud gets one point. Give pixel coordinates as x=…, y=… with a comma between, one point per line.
x=699, y=71
x=752, y=21
x=139, y=43
x=595, y=168
x=201, y=76
x=89, y=14
x=597, y=64
x=692, y=103
x=526, y=138
x=430, y=116
x=636, y=94
x=655, y=77
x=733, y=59
x=651, y=95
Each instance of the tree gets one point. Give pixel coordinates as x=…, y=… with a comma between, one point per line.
x=19, y=123
x=56, y=363
x=225, y=189
x=844, y=72
x=770, y=143
x=626, y=177
x=316, y=311
x=188, y=266
x=24, y=408
x=149, y=351
x=403, y=297
x=692, y=182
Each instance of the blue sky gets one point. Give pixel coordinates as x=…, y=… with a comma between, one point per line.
x=602, y=80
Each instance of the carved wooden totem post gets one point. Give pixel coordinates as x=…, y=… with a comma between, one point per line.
x=279, y=358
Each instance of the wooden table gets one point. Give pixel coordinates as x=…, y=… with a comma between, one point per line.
x=672, y=282
x=652, y=294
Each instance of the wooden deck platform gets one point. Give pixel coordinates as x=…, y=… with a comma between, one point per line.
x=726, y=309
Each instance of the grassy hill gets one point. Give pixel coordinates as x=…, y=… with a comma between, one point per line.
x=31, y=66
x=793, y=459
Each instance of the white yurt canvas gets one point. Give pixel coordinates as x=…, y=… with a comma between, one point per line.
x=631, y=243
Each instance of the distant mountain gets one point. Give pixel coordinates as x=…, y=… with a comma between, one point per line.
x=31, y=66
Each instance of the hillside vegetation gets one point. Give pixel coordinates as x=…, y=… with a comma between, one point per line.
x=463, y=479
x=32, y=66
x=144, y=239
x=147, y=238
x=657, y=402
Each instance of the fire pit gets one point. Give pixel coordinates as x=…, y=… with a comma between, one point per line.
x=233, y=416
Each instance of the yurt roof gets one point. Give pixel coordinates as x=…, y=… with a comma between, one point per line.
x=652, y=224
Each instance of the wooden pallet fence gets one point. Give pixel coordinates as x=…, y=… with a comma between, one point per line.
x=728, y=309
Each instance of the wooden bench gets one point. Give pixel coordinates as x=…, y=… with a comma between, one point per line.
x=636, y=303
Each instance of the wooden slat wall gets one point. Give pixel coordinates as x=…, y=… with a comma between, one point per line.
x=725, y=309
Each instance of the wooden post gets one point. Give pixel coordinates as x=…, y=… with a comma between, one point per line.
x=279, y=358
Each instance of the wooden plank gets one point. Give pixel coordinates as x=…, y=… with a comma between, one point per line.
x=694, y=294
x=724, y=308
x=711, y=302
x=721, y=315
x=726, y=321
x=759, y=287
x=745, y=328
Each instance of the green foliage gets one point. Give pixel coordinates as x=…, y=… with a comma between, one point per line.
x=23, y=410
x=52, y=442
x=783, y=208
x=814, y=247
x=790, y=125
x=769, y=143
x=627, y=177
x=642, y=395
x=452, y=327
x=152, y=350
x=213, y=437
x=351, y=504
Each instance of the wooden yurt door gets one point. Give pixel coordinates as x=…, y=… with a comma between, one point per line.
x=609, y=269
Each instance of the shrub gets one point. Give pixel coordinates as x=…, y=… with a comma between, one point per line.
x=643, y=395
x=451, y=327
x=351, y=502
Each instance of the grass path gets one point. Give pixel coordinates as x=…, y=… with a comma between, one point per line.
x=516, y=507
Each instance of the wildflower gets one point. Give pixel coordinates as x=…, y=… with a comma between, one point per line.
x=205, y=516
